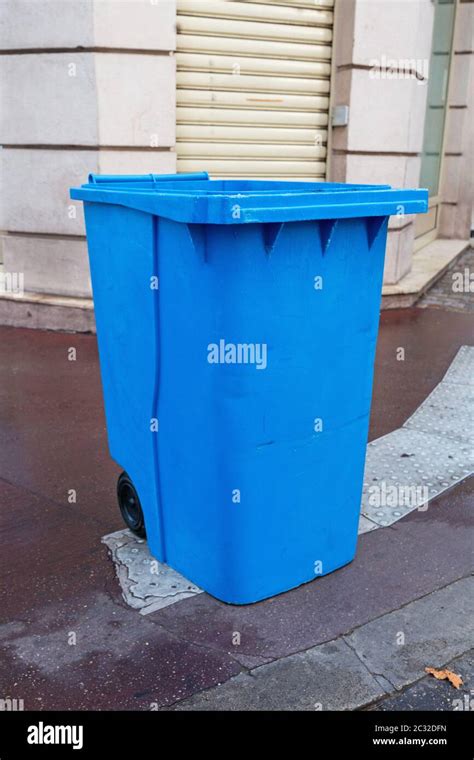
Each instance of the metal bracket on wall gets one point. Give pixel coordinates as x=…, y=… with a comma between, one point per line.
x=340, y=116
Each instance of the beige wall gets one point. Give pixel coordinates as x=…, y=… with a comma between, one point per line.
x=87, y=86
x=384, y=137
x=383, y=140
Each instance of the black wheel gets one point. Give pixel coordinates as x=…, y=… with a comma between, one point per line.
x=130, y=506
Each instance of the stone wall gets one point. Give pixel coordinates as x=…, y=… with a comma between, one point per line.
x=87, y=86
x=383, y=140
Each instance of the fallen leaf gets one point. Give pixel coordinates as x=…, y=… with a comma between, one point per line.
x=448, y=675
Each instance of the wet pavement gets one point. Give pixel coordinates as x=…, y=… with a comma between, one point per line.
x=432, y=694
x=455, y=289
x=68, y=639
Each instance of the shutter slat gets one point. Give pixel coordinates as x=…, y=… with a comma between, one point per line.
x=242, y=46
x=254, y=100
x=248, y=168
x=231, y=64
x=255, y=134
x=207, y=81
x=223, y=150
x=252, y=30
x=289, y=14
x=194, y=115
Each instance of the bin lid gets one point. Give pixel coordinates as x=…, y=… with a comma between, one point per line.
x=196, y=199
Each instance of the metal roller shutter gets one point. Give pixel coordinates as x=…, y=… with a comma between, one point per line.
x=253, y=84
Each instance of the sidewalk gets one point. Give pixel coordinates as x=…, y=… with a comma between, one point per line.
x=359, y=668
x=359, y=638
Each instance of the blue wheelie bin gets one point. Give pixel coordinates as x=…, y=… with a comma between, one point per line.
x=237, y=323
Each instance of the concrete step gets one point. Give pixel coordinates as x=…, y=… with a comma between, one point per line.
x=428, y=265
x=45, y=311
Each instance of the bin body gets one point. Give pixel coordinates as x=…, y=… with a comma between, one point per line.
x=237, y=363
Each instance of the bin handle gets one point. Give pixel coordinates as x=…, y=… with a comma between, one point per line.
x=95, y=179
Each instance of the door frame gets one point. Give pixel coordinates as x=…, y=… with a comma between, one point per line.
x=436, y=200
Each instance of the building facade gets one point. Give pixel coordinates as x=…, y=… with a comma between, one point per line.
x=374, y=91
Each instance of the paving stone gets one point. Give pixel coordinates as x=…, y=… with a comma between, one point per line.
x=147, y=585
x=444, y=294
x=447, y=410
x=327, y=677
x=407, y=469
x=460, y=371
x=429, y=454
x=432, y=694
x=366, y=525
x=428, y=632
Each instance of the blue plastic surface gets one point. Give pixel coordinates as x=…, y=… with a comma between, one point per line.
x=252, y=483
